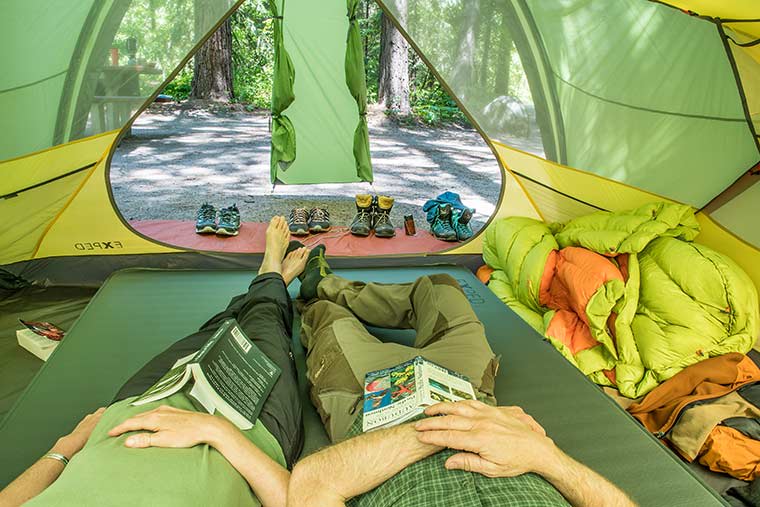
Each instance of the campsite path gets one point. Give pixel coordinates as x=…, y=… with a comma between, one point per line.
x=178, y=158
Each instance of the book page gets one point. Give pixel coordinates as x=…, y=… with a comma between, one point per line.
x=444, y=385
x=169, y=384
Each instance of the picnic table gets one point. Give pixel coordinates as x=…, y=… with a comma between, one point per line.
x=118, y=95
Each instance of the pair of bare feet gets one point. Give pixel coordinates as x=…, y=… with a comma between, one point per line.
x=275, y=258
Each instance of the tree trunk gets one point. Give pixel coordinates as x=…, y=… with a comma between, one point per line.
x=485, y=62
x=212, y=75
x=393, y=83
x=463, y=75
x=504, y=61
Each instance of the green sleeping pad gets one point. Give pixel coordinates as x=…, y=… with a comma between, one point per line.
x=138, y=313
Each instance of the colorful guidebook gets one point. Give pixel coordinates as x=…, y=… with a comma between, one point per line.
x=395, y=395
x=231, y=376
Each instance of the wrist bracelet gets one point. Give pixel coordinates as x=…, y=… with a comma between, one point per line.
x=58, y=457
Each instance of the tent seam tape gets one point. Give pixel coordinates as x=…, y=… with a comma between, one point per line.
x=564, y=194
x=68, y=203
x=27, y=85
x=647, y=109
x=522, y=187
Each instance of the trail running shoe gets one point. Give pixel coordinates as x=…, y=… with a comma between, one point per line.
x=319, y=220
x=205, y=221
x=461, y=223
x=362, y=223
x=229, y=221
x=298, y=223
x=381, y=217
x=442, y=226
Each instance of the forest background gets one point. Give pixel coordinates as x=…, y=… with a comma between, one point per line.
x=235, y=65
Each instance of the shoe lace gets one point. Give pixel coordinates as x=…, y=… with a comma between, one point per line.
x=383, y=217
x=298, y=215
x=206, y=212
x=320, y=214
x=361, y=215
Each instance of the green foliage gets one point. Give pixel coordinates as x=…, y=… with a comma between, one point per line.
x=164, y=32
x=253, y=58
x=370, y=28
x=253, y=54
x=180, y=87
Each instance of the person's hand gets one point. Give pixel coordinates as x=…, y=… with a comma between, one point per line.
x=171, y=427
x=497, y=441
x=72, y=443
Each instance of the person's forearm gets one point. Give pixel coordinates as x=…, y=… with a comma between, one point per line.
x=333, y=475
x=36, y=478
x=267, y=478
x=580, y=485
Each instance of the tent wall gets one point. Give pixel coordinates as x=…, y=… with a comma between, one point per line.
x=645, y=95
x=38, y=39
x=622, y=72
x=59, y=82
x=66, y=212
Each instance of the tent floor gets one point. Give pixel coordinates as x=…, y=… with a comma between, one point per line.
x=339, y=241
x=120, y=330
x=60, y=305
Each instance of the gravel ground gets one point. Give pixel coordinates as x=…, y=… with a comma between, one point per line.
x=179, y=157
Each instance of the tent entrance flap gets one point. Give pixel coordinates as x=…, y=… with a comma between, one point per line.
x=329, y=90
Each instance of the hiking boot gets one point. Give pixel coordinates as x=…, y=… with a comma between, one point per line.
x=205, y=221
x=381, y=216
x=442, y=226
x=315, y=271
x=319, y=220
x=229, y=221
x=462, y=223
x=298, y=223
x=362, y=223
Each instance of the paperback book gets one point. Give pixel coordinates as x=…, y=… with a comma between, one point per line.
x=395, y=395
x=39, y=338
x=230, y=374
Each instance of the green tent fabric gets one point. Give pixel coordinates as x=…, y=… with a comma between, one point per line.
x=283, y=133
x=357, y=83
x=329, y=91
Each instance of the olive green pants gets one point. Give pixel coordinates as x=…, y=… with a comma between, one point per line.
x=340, y=350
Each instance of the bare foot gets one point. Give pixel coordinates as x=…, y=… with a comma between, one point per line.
x=277, y=242
x=294, y=264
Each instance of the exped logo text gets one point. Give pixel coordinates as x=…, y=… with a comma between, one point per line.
x=99, y=245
